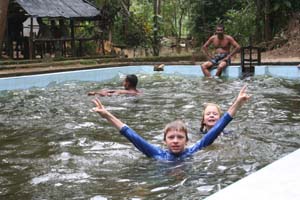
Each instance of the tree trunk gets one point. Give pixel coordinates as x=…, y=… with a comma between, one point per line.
x=126, y=7
x=259, y=18
x=156, y=8
x=3, y=17
x=268, y=32
x=182, y=12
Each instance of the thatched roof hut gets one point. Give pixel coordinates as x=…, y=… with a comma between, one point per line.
x=71, y=10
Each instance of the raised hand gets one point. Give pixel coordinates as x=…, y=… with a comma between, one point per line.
x=241, y=99
x=106, y=114
x=99, y=108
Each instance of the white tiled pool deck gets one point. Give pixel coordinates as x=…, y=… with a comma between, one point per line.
x=277, y=181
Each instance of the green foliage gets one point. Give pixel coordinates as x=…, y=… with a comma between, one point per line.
x=134, y=30
x=197, y=18
x=88, y=48
x=175, y=14
x=280, y=13
x=136, y=34
x=85, y=29
x=241, y=24
x=141, y=24
x=204, y=15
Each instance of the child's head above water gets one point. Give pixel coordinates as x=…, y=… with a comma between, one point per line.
x=176, y=136
x=210, y=115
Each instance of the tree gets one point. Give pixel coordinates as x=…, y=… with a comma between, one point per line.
x=206, y=13
x=258, y=21
x=267, y=25
x=175, y=14
x=240, y=23
x=109, y=12
x=156, y=28
x=3, y=17
x=273, y=16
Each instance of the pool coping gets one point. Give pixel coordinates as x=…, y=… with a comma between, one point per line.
x=105, y=73
x=52, y=67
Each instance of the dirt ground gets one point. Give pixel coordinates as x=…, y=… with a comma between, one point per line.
x=289, y=51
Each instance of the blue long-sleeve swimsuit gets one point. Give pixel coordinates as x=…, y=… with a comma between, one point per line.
x=161, y=154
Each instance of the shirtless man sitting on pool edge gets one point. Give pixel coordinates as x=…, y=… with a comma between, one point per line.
x=222, y=44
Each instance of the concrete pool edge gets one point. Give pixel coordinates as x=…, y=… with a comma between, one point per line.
x=53, y=67
x=106, y=73
x=277, y=181
x=23, y=70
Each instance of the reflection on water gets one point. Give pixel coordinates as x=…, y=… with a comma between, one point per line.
x=53, y=147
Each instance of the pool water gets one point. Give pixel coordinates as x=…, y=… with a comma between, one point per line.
x=53, y=147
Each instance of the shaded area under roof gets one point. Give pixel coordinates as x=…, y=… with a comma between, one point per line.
x=59, y=8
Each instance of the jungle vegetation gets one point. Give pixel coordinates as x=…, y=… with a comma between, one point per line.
x=150, y=23
x=145, y=23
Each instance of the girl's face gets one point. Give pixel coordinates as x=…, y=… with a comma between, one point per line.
x=211, y=116
x=176, y=141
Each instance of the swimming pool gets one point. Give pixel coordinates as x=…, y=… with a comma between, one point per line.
x=53, y=147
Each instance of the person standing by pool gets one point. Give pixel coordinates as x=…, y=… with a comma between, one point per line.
x=175, y=133
x=129, y=83
x=222, y=55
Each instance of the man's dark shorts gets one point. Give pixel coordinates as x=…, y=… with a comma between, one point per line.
x=218, y=57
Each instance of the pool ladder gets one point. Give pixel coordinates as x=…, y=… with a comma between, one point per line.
x=250, y=57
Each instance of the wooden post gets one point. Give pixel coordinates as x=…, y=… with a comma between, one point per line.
x=3, y=17
x=72, y=38
x=31, y=53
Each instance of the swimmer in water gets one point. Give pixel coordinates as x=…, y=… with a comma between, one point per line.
x=175, y=133
x=129, y=83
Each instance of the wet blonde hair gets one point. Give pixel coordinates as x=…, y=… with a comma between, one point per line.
x=177, y=125
x=202, y=128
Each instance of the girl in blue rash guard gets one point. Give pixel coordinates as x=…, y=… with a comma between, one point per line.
x=175, y=133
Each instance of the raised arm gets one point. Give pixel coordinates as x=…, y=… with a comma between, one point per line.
x=240, y=100
x=139, y=142
x=102, y=93
x=107, y=115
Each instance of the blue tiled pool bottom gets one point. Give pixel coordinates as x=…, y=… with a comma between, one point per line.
x=104, y=74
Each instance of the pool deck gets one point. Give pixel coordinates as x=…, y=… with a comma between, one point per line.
x=278, y=181
x=14, y=70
